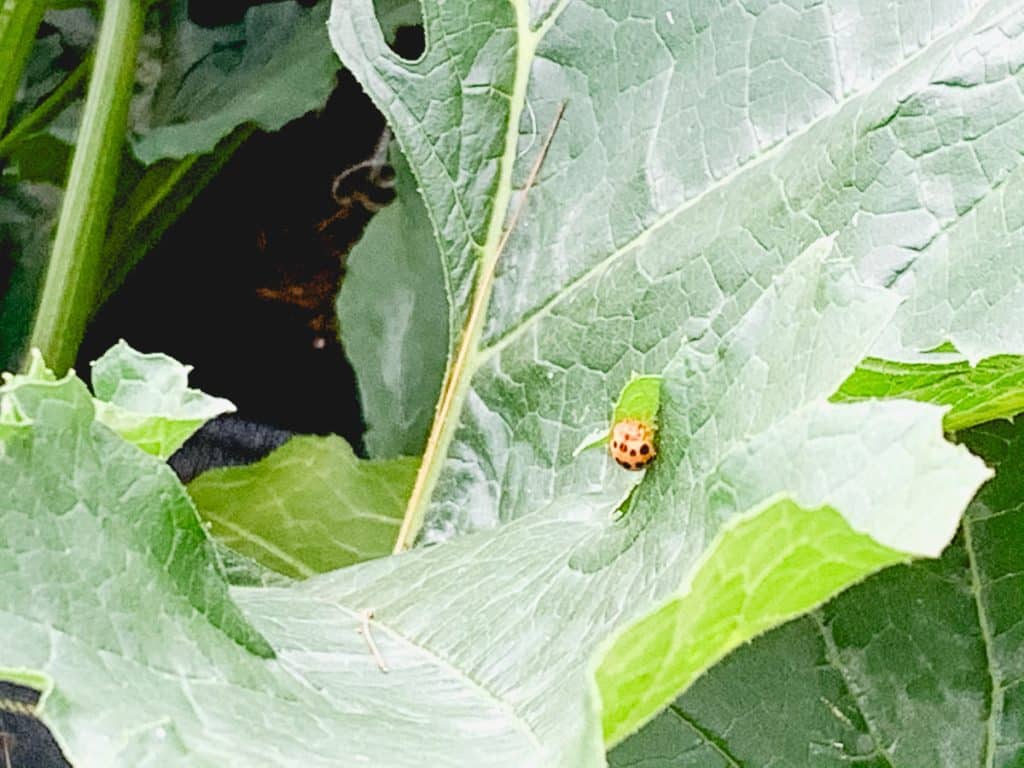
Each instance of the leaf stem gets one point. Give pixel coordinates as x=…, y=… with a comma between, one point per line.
x=456, y=382
x=72, y=276
x=46, y=110
x=19, y=22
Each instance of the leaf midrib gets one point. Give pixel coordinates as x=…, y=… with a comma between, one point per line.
x=464, y=364
x=832, y=656
x=991, y=737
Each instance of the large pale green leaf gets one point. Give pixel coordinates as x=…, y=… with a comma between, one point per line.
x=309, y=507
x=488, y=639
x=722, y=240
x=920, y=666
x=701, y=149
x=393, y=317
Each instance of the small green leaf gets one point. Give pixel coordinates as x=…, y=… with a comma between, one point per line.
x=146, y=399
x=309, y=507
x=992, y=389
x=639, y=399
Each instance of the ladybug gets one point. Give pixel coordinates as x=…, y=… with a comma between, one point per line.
x=632, y=444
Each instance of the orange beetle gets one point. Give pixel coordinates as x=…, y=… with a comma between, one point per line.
x=632, y=444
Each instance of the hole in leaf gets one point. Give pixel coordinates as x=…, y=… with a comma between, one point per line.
x=402, y=24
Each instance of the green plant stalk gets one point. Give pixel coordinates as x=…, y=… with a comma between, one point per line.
x=73, y=274
x=19, y=22
x=49, y=108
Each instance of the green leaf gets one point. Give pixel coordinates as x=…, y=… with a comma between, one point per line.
x=920, y=666
x=195, y=84
x=309, y=507
x=272, y=67
x=394, y=321
x=992, y=389
x=650, y=226
x=62, y=470
x=639, y=399
x=146, y=399
x=759, y=573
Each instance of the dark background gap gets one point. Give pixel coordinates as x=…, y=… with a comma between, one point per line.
x=219, y=290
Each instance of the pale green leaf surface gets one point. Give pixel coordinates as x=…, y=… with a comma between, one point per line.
x=146, y=399
x=392, y=312
x=919, y=667
x=309, y=507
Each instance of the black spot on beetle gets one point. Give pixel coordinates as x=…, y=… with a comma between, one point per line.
x=645, y=449
x=633, y=452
